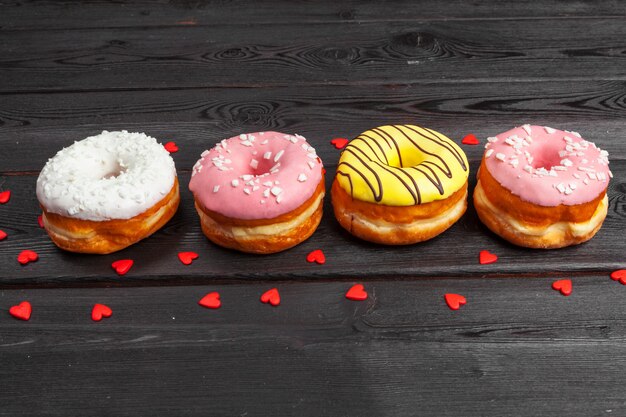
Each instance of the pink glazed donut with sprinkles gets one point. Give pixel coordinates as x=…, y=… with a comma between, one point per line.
x=541, y=187
x=259, y=192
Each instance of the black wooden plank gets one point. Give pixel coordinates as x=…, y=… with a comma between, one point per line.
x=156, y=259
x=293, y=54
x=28, y=14
x=33, y=127
x=517, y=348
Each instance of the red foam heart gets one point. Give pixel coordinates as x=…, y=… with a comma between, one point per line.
x=455, y=301
x=187, y=257
x=5, y=196
x=271, y=296
x=211, y=300
x=316, y=256
x=21, y=311
x=171, y=147
x=122, y=266
x=339, y=143
x=563, y=285
x=487, y=257
x=27, y=256
x=40, y=221
x=3, y=235
x=357, y=293
x=619, y=275
x=470, y=139
x=99, y=311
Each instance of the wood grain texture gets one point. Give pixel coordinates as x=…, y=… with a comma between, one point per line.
x=33, y=127
x=517, y=348
x=79, y=14
x=291, y=54
x=348, y=258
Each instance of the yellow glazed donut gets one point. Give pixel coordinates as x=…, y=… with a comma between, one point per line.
x=400, y=184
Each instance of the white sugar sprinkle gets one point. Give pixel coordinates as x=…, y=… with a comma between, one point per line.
x=267, y=155
x=216, y=188
x=266, y=193
x=575, y=175
x=311, y=164
x=492, y=139
x=279, y=199
x=276, y=190
x=500, y=156
x=549, y=130
x=235, y=182
x=560, y=187
x=527, y=129
x=528, y=169
x=268, y=183
x=254, y=164
x=566, y=162
x=278, y=155
x=302, y=177
x=246, y=190
x=488, y=153
x=204, y=153
x=264, y=142
x=247, y=177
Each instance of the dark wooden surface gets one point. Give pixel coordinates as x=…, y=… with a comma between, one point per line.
x=197, y=71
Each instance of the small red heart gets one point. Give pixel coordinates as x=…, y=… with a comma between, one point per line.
x=171, y=147
x=21, y=311
x=323, y=171
x=271, y=296
x=99, y=311
x=316, y=256
x=122, y=266
x=563, y=285
x=470, y=139
x=487, y=257
x=40, y=221
x=27, y=256
x=5, y=196
x=619, y=275
x=187, y=257
x=339, y=143
x=3, y=235
x=455, y=301
x=211, y=300
x=357, y=293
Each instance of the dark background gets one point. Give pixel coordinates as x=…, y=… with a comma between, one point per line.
x=196, y=72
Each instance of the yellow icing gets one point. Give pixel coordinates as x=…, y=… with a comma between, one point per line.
x=402, y=165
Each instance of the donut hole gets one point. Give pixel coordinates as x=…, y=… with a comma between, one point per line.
x=408, y=160
x=546, y=157
x=113, y=172
x=263, y=167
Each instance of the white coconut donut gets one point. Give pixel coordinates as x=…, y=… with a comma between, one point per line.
x=108, y=191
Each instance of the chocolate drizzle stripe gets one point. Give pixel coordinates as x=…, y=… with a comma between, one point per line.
x=453, y=150
x=360, y=138
x=434, y=179
x=447, y=171
x=383, y=134
x=380, y=186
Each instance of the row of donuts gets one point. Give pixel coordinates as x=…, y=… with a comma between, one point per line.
x=263, y=192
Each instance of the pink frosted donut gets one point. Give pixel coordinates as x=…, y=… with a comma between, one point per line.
x=542, y=187
x=259, y=192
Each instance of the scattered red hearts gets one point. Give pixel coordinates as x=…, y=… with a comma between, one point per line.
x=339, y=143
x=21, y=311
x=171, y=147
x=122, y=266
x=619, y=275
x=316, y=256
x=487, y=257
x=100, y=311
x=40, y=221
x=470, y=139
x=187, y=257
x=3, y=235
x=563, y=285
x=271, y=296
x=27, y=256
x=211, y=300
x=455, y=301
x=357, y=293
x=5, y=196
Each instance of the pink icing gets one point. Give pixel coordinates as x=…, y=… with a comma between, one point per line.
x=258, y=175
x=546, y=166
